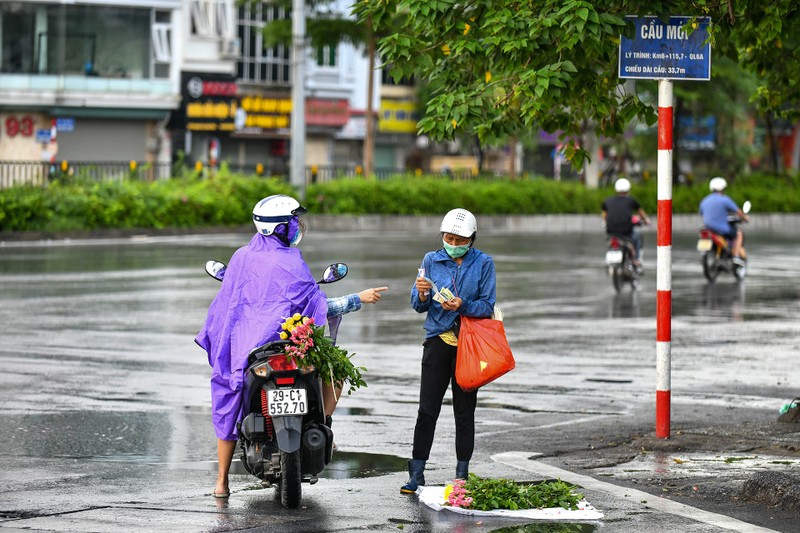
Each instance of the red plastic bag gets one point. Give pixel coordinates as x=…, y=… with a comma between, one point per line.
x=483, y=352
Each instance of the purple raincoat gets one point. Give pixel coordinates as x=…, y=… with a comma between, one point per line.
x=266, y=282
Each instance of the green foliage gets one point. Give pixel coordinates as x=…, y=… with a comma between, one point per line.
x=310, y=347
x=228, y=201
x=499, y=493
x=499, y=68
x=184, y=202
x=434, y=195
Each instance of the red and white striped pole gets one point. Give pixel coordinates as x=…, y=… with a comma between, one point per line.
x=664, y=258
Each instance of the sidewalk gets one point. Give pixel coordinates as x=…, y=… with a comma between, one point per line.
x=761, y=222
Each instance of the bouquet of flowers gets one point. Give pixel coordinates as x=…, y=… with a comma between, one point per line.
x=487, y=494
x=310, y=347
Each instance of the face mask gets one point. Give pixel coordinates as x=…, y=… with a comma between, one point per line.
x=455, y=251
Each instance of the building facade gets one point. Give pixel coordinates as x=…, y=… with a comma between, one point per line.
x=88, y=80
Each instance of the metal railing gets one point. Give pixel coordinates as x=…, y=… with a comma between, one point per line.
x=39, y=174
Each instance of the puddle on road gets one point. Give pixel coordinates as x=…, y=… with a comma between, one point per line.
x=359, y=465
x=681, y=465
x=549, y=527
x=344, y=465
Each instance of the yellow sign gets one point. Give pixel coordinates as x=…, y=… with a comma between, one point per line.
x=398, y=116
x=220, y=115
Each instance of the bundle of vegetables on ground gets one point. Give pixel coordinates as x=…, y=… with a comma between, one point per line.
x=487, y=494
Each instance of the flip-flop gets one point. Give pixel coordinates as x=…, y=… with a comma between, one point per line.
x=221, y=494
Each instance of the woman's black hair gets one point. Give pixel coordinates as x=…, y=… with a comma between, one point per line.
x=471, y=238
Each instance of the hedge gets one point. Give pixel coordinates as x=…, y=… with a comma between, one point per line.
x=227, y=200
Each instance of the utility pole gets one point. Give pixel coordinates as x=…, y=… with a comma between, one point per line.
x=298, y=129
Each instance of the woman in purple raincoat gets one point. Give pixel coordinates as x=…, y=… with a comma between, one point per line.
x=266, y=281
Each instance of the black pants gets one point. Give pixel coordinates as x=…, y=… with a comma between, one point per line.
x=438, y=371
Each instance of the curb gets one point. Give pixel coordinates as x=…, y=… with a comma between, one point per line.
x=775, y=489
x=788, y=223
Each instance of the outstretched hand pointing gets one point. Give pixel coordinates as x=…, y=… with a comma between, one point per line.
x=370, y=296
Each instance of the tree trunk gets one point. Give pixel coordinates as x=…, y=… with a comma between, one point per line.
x=773, y=152
x=512, y=160
x=369, y=120
x=479, y=154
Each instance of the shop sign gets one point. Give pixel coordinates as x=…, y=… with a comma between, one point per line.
x=398, y=116
x=327, y=112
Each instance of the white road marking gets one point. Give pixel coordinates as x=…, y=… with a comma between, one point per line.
x=593, y=418
x=523, y=461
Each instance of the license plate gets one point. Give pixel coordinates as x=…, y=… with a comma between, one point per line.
x=613, y=257
x=287, y=402
x=704, y=245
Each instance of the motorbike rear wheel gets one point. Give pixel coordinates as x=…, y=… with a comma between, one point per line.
x=616, y=276
x=291, y=484
x=739, y=271
x=710, y=270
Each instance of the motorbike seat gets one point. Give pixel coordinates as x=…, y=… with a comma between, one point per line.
x=265, y=350
x=709, y=233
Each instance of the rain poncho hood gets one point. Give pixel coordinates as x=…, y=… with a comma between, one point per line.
x=266, y=281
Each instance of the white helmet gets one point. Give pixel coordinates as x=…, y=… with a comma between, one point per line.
x=717, y=184
x=622, y=185
x=275, y=210
x=459, y=222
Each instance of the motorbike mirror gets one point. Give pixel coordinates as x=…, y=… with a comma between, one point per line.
x=746, y=207
x=216, y=269
x=334, y=272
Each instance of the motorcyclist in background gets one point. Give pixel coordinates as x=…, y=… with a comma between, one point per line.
x=618, y=217
x=266, y=281
x=715, y=209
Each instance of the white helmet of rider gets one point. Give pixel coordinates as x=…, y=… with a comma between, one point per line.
x=275, y=210
x=622, y=185
x=717, y=184
x=459, y=222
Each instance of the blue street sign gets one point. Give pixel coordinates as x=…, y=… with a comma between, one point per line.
x=43, y=136
x=666, y=51
x=65, y=124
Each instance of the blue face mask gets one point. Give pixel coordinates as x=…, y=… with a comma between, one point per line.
x=455, y=251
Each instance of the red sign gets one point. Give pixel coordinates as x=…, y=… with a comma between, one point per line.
x=322, y=112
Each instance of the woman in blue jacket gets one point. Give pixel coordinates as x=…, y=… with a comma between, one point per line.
x=469, y=275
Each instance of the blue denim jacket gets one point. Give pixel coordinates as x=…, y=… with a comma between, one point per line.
x=473, y=281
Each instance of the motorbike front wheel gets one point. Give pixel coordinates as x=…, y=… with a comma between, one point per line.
x=710, y=269
x=291, y=480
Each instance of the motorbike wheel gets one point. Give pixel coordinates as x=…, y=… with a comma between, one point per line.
x=710, y=269
x=291, y=480
x=616, y=276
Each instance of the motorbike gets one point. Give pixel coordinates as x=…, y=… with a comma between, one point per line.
x=620, y=253
x=717, y=253
x=285, y=438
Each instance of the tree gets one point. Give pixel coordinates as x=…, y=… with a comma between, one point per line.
x=326, y=25
x=498, y=68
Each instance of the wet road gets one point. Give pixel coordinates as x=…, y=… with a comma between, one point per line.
x=105, y=420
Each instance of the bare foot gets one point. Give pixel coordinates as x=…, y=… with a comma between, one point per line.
x=221, y=490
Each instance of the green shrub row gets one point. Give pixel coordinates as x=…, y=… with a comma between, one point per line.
x=177, y=203
x=227, y=200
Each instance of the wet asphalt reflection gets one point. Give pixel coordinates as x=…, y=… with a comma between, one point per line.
x=99, y=371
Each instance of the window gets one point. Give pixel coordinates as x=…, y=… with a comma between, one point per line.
x=326, y=56
x=81, y=40
x=258, y=64
x=212, y=18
